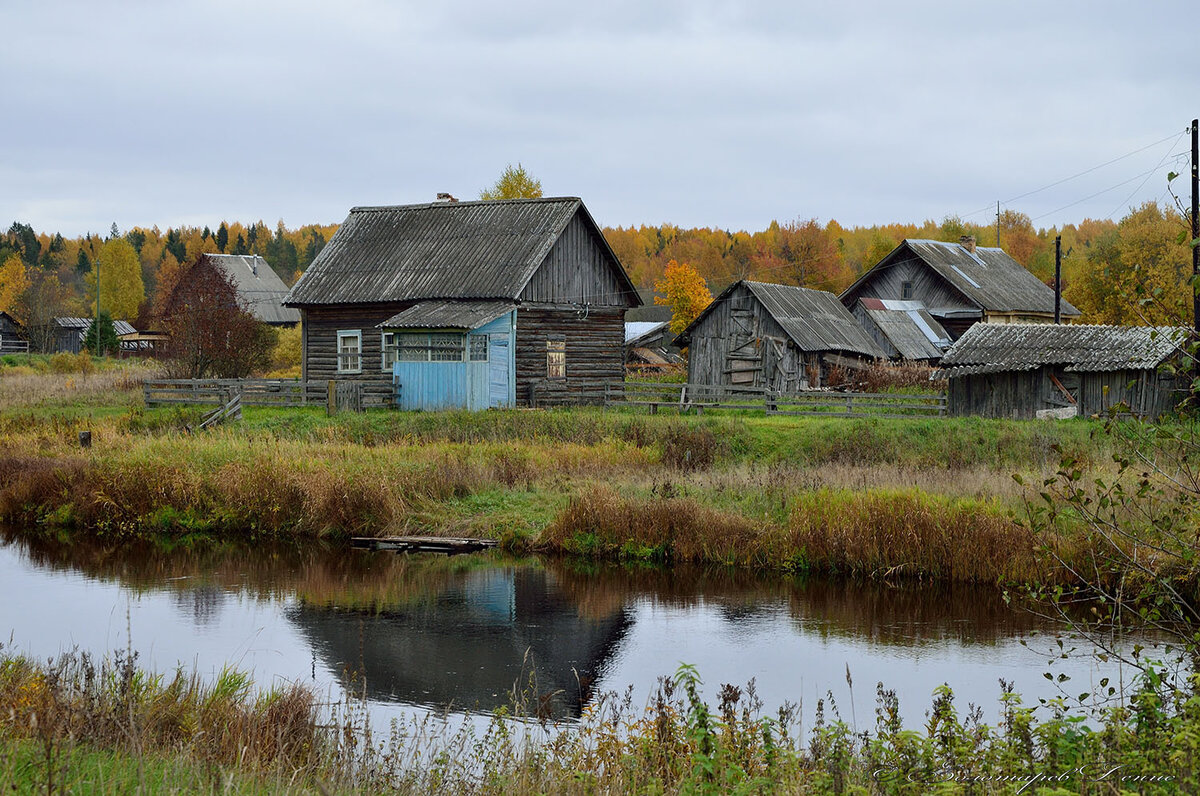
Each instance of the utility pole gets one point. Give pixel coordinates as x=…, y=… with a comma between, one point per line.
x=997, y=223
x=1195, y=228
x=96, y=323
x=1058, y=278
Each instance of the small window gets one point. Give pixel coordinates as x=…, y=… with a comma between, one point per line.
x=391, y=350
x=478, y=347
x=556, y=359
x=413, y=347
x=906, y=290
x=349, y=351
x=446, y=348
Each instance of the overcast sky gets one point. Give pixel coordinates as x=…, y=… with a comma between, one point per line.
x=695, y=113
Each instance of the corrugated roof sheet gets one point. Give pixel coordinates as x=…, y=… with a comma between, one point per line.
x=459, y=250
x=814, y=319
x=83, y=324
x=994, y=348
x=258, y=286
x=989, y=277
x=448, y=315
x=913, y=332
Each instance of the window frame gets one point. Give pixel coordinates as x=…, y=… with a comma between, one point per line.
x=906, y=291
x=556, y=358
x=344, y=357
x=476, y=342
x=389, y=348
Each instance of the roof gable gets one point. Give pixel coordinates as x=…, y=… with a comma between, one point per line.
x=988, y=277
x=257, y=285
x=448, y=250
x=993, y=348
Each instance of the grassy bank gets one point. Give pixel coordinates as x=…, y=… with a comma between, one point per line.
x=75, y=725
x=929, y=498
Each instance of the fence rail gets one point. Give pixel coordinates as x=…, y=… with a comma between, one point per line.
x=811, y=403
x=14, y=346
x=353, y=395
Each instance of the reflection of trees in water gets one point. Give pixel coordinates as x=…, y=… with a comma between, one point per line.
x=202, y=603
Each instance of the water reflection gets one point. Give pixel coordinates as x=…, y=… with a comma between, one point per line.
x=463, y=632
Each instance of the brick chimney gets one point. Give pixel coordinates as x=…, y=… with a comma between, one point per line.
x=445, y=197
x=967, y=242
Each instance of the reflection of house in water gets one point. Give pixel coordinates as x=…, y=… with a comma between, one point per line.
x=469, y=645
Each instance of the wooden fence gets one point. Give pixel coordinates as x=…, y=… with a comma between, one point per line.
x=10, y=345
x=812, y=403
x=347, y=395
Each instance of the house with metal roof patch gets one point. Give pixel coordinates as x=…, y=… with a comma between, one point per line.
x=468, y=304
x=779, y=337
x=1049, y=370
x=959, y=284
x=903, y=329
x=259, y=288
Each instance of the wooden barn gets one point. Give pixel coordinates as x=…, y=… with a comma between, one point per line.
x=959, y=284
x=779, y=337
x=12, y=335
x=1047, y=370
x=259, y=288
x=903, y=329
x=468, y=304
x=67, y=334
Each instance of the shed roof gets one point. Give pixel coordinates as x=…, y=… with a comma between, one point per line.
x=994, y=348
x=258, y=286
x=636, y=330
x=814, y=319
x=909, y=327
x=448, y=315
x=987, y=277
x=83, y=324
x=448, y=250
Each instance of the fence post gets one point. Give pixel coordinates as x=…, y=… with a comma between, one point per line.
x=331, y=398
x=772, y=406
x=849, y=404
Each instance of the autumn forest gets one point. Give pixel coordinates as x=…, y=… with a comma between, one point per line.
x=1132, y=271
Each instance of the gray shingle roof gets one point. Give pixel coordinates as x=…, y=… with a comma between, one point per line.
x=993, y=348
x=988, y=276
x=635, y=330
x=813, y=319
x=448, y=315
x=258, y=286
x=83, y=324
x=459, y=250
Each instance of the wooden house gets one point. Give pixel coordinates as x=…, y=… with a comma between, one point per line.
x=68, y=334
x=779, y=337
x=12, y=335
x=516, y=300
x=1048, y=370
x=903, y=329
x=959, y=284
x=259, y=288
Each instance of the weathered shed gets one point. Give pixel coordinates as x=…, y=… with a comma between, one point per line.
x=258, y=287
x=424, y=279
x=780, y=337
x=903, y=329
x=69, y=333
x=959, y=284
x=646, y=347
x=12, y=335
x=1040, y=370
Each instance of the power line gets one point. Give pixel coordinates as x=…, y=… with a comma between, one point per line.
x=1097, y=193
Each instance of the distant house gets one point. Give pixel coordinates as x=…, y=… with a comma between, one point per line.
x=258, y=287
x=775, y=336
x=1048, y=370
x=12, y=335
x=959, y=284
x=468, y=304
x=69, y=333
x=903, y=329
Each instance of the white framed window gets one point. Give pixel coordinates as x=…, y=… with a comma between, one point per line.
x=349, y=351
x=556, y=359
x=430, y=347
x=390, y=346
x=477, y=347
x=413, y=347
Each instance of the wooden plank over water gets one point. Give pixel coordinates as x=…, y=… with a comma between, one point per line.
x=422, y=544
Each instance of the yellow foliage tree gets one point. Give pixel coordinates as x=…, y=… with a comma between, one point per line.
x=514, y=184
x=685, y=292
x=13, y=282
x=121, y=288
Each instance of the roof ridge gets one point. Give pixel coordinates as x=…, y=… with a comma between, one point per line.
x=468, y=202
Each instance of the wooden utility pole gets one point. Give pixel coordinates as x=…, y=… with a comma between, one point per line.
x=1195, y=228
x=96, y=323
x=1058, y=278
x=997, y=223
